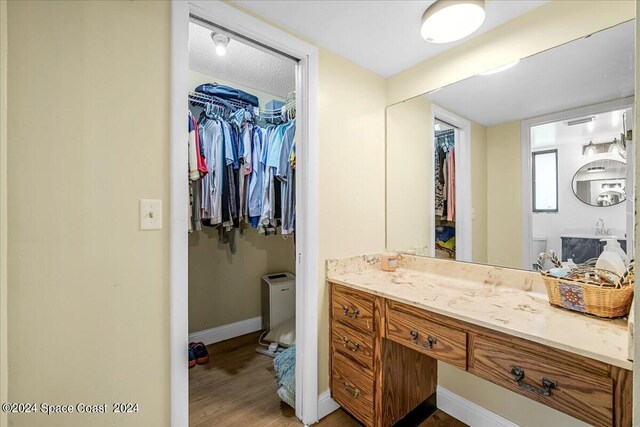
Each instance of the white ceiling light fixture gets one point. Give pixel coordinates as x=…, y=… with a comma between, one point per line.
x=446, y=21
x=500, y=69
x=220, y=41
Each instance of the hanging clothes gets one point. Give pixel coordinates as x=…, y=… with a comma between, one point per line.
x=197, y=170
x=451, y=185
x=444, y=144
x=250, y=173
x=285, y=174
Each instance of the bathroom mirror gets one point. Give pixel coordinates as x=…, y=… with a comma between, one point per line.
x=487, y=169
x=601, y=183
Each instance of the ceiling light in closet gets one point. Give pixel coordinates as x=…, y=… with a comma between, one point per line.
x=220, y=41
x=446, y=21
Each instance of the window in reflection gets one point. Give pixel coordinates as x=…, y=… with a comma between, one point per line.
x=545, y=181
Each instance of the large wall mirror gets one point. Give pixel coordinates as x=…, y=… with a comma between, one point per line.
x=532, y=156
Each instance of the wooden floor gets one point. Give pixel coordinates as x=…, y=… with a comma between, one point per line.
x=237, y=388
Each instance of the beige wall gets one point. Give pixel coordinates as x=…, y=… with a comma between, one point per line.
x=409, y=174
x=550, y=25
x=479, y=192
x=225, y=288
x=88, y=137
x=351, y=199
x=4, y=366
x=504, y=195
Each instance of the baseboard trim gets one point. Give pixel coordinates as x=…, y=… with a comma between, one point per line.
x=454, y=405
x=225, y=332
x=326, y=404
x=468, y=412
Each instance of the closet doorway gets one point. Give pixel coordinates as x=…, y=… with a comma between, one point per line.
x=251, y=200
x=446, y=144
x=242, y=252
x=451, y=219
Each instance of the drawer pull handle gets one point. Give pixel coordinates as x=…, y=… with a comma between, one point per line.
x=355, y=393
x=547, y=384
x=428, y=344
x=355, y=314
x=345, y=342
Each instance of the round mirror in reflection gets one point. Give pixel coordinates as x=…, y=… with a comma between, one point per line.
x=601, y=183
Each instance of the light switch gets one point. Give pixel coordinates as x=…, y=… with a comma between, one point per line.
x=150, y=214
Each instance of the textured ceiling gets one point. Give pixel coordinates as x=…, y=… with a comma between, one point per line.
x=584, y=72
x=242, y=64
x=383, y=35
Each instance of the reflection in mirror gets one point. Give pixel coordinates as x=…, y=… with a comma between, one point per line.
x=499, y=167
x=601, y=182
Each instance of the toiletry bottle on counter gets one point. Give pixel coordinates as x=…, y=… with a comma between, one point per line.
x=614, y=246
x=611, y=260
x=389, y=262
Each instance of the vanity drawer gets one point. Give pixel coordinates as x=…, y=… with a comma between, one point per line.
x=434, y=339
x=559, y=384
x=352, y=308
x=352, y=388
x=353, y=344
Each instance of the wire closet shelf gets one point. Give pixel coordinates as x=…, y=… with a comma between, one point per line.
x=288, y=110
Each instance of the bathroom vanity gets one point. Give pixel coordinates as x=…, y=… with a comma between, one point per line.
x=582, y=248
x=389, y=329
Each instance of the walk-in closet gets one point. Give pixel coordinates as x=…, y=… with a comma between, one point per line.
x=242, y=229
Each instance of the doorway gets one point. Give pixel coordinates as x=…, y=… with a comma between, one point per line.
x=261, y=35
x=578, y=182
x=453, y=134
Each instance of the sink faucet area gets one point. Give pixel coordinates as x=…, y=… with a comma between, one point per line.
x=601, y=230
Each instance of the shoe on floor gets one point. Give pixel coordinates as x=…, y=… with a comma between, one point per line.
x=200, y=352
x=192, y=357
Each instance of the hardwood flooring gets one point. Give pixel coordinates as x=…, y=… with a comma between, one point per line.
x=237, y=388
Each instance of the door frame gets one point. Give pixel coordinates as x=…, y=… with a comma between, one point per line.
x=233, y=19
x=525, y=137
x=464, y=209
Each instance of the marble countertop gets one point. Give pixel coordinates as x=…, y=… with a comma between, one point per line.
x=511, y=310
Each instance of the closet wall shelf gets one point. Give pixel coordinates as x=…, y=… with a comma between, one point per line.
x=203, y=99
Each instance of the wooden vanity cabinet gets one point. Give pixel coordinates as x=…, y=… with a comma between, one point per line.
x=384, y=363
x=376, y=393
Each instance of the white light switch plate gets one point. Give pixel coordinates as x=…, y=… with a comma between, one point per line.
x=150, y=214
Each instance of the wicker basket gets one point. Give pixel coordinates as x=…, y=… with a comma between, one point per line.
x=598, y=299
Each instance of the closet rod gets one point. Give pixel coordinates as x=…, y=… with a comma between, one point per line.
x=239, y=36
